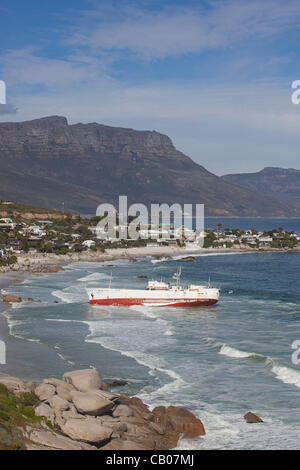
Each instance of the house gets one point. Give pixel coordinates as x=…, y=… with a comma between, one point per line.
x=88, y=243
x=7, y=224
x=13, y=244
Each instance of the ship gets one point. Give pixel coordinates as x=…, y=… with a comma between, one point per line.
x=157, y=294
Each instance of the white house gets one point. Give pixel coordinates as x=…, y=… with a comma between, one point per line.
x=88, y=243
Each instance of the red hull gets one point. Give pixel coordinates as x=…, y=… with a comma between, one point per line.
x=152, y=302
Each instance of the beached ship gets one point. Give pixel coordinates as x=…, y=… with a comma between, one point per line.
x=157, y=294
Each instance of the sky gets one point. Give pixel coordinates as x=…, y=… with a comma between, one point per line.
x=214, y=75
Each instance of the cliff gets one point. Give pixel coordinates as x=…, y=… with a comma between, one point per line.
x=47, y=162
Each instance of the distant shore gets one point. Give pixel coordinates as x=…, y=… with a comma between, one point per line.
x=50, y=263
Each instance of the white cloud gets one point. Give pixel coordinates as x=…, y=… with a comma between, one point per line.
x=224, y=127
x=174, y=31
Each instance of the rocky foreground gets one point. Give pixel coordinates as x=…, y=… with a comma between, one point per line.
x=80, y=413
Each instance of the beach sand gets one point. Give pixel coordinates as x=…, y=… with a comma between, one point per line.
x=24, y=359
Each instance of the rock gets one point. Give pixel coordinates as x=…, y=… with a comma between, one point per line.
x=139, y=408
x=117, y=383
x=55, y=441
x=59, y=404
x=46, y=411
x=87, y=430
x=58, y=382
x=122, y=410
x=179, y=419
x=48, y=269
x=44, y=391
x=84, y=380
x=189, y=258
x=16, y=385
x=62, y=392
x=11, y=299
x=118, y=444
x=90, y=403
x=30, y=299
x=252, y=418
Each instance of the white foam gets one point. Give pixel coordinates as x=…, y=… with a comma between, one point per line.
x=93, y=277
x=232, y=352
x=287, y=375
x=169, y=333
x=70, y=297
x=153, y=363
x=160, y=260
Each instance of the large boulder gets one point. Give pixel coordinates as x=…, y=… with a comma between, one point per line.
x=179, y=419
x=252, y=418
x=63, y=389
x=45, y=391
x=91, y=403
x=87, y=430
x=59, y=404
x=84, y=380
x=119, y=444
x=64, y=393
x=122, y=411
x=45, y=410
x=16, y=385
x=49, y=439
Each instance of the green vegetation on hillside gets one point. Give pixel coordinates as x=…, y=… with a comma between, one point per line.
x=16, y=411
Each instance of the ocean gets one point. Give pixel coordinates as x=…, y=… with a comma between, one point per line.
x=219, y=362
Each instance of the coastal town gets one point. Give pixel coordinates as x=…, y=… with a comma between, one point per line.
x=25, y=230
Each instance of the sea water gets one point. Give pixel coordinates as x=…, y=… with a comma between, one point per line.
x=218, y=362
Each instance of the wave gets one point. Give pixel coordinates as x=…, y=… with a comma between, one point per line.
x=154, y=364
x=285, y=374
x=69, y=297
x=233, y=352
x=169, y=333
x=93, y=277
x=161, y=260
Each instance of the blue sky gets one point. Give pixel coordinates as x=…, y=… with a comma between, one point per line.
x=214, y=75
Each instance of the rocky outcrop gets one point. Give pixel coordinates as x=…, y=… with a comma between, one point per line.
x=83, y=415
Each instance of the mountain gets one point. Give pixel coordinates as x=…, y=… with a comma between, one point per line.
x=48, y=162
x=279, y=183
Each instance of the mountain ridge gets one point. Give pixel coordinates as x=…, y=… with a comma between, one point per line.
x=48, y=162
x=282, y=183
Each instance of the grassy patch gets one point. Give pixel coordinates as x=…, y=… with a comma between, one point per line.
x=16, y=411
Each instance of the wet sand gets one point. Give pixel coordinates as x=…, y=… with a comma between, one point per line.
x=24, y=359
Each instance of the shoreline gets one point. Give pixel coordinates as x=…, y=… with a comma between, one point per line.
x=39, y=263
x=20, y=349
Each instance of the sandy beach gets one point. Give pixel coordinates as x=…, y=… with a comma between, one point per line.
x=24, y=358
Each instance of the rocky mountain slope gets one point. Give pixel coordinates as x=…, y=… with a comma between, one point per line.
x=279, y=183
x=47, y=162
